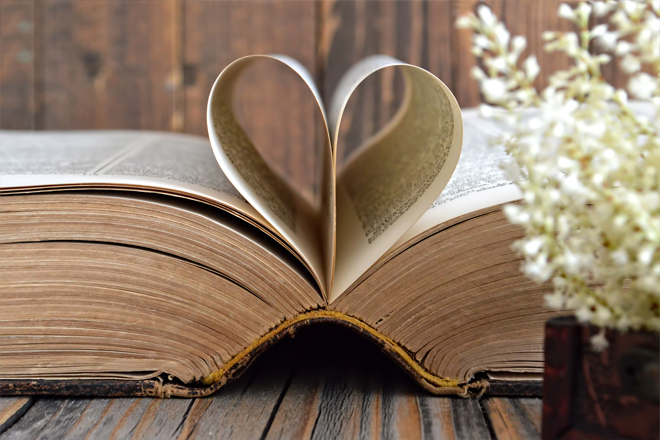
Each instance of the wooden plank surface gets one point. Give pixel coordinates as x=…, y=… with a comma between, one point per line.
x=325, y=383
x=514, y=418
x=13, y=408
x=17, y=46
x=107, y=64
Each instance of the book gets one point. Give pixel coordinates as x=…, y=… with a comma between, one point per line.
x=161, y=264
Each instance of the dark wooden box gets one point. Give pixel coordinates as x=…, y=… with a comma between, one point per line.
x=611, y=394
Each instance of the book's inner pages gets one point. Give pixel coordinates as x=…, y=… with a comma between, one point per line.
x=168, y=163
x=457, y=300
x=478, y=182
x=131, y=285
x=450, y=289
x=380, y=193
x=388, y=184
x=307, y=227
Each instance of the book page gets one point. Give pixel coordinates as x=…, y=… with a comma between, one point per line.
x=177, y=164
x=393, y=178
x=478, y=182
x=307, y=227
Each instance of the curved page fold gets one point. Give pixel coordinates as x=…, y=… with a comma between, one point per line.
x=396, y=174
x=378, y=195
x=309, y=231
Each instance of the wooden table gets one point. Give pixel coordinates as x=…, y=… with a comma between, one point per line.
x=325, y=383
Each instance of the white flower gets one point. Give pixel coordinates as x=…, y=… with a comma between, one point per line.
x=584, y=314
x=549, y=35
x=499, y=64
x=464, y=22
x=538, y=269
x=620, y=256
x=511, y=170
x=516, y=215
x=591, y=188
x=630, y=64
x=493, y=88
x=607, y=40
x=486, y=15
x=642, y=85
x=565, y=11
x=623, y=47
x=531, y=67
x=481, y=41
x=486, y=111
x=599, y=342
x=555, y=300
x=518, y=44
x=477, y=73
x=502, y=35
x=533, y=246
x=583, y=10
x=645, y=255
x=603, y=314
x=599, y=30
x=602, y=8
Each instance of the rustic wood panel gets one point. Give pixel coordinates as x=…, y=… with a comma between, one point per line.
x=108, y=64
x=353, y=30
x=333, y=412
x=150, y=65
x=17, y=95
x=34, y=421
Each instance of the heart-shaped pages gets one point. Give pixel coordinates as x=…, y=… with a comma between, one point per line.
x=378, y=195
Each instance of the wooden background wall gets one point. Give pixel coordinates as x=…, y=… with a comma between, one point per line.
x=149, y=64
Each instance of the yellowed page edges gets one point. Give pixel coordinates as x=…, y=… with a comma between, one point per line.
x=433, y=383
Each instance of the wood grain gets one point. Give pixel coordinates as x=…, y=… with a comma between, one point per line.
x=247, y=407
x=17, y=46
x=314, y=406
x=34, y=420
x=359, y=29
x=511, y=420
x=150, y=65
x=108, y=64
x=347, y=404
x=11, y=409
x=366, y=397
x=468, y=420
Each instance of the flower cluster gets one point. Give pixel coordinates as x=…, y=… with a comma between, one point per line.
x=589, y=164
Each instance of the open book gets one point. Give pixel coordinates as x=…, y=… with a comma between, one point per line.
x=133, y=264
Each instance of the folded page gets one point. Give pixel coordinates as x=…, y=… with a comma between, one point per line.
x=396, y=175
x=308, y=228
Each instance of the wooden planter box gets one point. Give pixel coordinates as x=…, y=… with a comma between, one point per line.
x=611, y=394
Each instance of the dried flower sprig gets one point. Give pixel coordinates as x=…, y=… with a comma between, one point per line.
x=590, y=165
